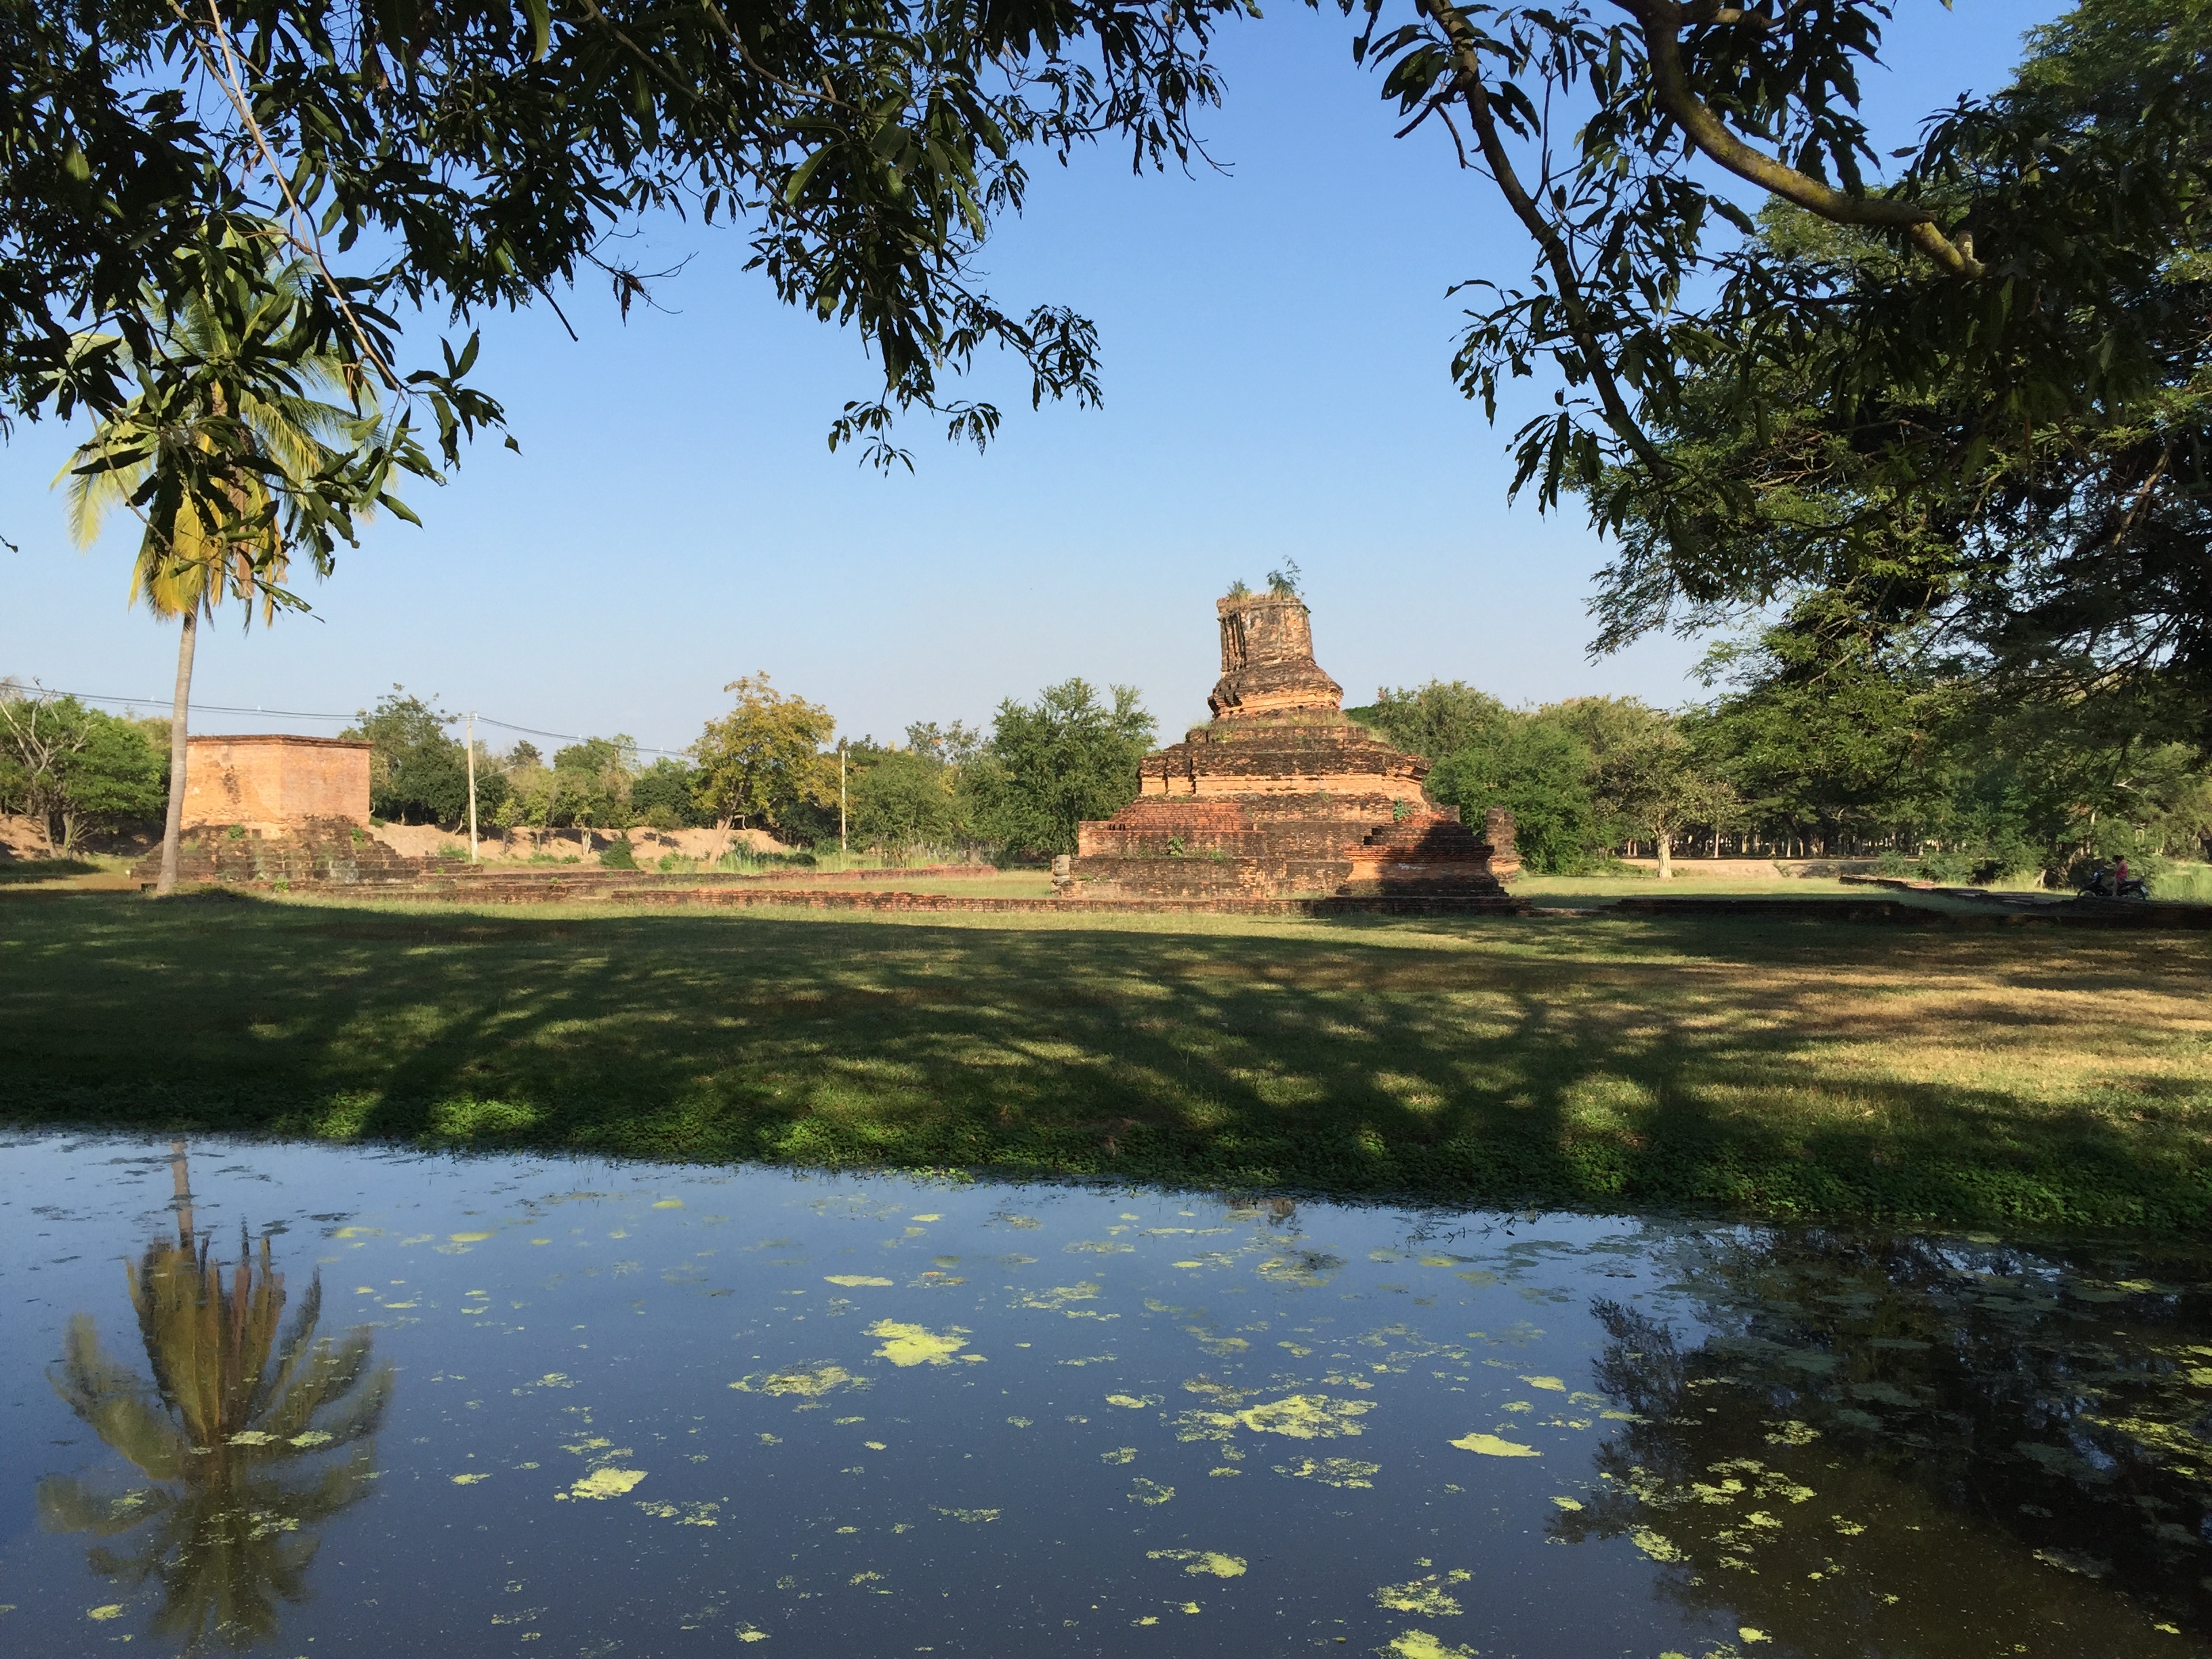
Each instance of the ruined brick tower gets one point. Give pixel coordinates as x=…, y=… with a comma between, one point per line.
x=1268, y=663
x=1281, y=794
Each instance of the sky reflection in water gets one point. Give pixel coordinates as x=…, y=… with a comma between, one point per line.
x=526, y=1406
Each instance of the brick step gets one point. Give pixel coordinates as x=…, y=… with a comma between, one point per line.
x=1464, y=883
x=1114, y=840
x=1303, y=838
x=1449, y=839
x=1143, y=878
x=319, y=851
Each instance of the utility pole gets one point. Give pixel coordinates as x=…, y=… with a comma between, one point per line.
x=841, y=795
x=472, y=789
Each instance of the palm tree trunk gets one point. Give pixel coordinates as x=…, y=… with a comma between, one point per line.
x=173, y=828
x=180, y=1178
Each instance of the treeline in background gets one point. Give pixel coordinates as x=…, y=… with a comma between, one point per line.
x=774, y=763
x=1803, y=755
x=1802, y=752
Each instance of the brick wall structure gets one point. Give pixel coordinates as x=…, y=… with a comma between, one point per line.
x=275, y=782
x=1281, y=794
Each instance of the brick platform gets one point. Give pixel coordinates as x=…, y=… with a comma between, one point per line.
x=317, y=851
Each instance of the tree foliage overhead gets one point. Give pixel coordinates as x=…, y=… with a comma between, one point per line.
x=229, y=449
x=2017, y=218
x=1969, y=382
x=475, y=155
x=1974, y=381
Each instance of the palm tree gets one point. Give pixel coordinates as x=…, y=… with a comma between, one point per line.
x=226, y=453
x=234, y=1434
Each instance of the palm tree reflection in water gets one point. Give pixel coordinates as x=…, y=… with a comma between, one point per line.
x=249, y=1435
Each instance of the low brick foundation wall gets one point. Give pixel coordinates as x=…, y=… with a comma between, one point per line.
x=826, y=899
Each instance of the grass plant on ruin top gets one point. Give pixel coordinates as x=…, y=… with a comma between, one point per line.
x=1790, y=1067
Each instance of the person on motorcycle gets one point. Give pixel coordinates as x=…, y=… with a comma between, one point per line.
x=2120, y=877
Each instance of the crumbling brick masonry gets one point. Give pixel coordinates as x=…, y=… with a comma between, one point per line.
x=1281, y=794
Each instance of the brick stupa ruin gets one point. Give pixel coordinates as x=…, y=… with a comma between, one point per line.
x=1282, y=794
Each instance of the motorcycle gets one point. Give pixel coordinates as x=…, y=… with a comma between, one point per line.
x=2099, y=884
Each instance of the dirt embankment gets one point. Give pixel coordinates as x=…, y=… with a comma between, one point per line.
x=1697, y=869
x=427, y=840
x=24, y=838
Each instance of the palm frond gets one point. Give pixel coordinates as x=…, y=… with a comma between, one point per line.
x=242, y=1421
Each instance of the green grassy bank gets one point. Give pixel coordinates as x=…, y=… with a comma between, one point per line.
x=1997, y=1077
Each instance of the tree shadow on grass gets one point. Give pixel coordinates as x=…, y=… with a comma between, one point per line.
x=16, y=871
x=1709, y=1064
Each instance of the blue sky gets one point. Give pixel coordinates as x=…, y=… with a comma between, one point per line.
x=1276, y=341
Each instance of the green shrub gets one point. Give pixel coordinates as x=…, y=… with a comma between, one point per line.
x=666, y=794
x=1050, y=766
x=1538, y=770
x=2190, y=882
x=619, y=854
x=743, y=863
x=75, y=769
x=1951, y=866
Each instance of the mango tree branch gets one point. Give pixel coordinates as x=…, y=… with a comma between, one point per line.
x=1661, y=22
x=232, y=79
x=1466, y=58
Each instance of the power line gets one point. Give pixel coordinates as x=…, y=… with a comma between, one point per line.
x=565, y=737
x=163, y=705
x=196, y=707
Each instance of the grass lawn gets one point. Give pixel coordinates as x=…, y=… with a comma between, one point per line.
x=999, y=884
x=2013, y=1076
x=1568, y=890
x=90, y=874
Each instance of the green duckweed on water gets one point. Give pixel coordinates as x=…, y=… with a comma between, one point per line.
x=1423, y=1434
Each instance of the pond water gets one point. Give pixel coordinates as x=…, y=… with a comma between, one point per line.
x=345, y=1401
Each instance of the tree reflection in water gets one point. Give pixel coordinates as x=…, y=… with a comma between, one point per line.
x=1902, y=1445
x=250, y=1432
